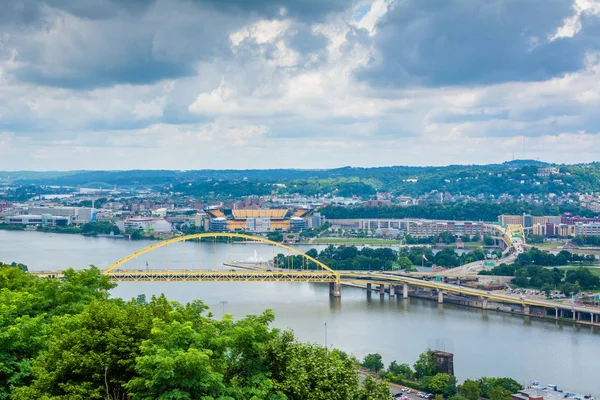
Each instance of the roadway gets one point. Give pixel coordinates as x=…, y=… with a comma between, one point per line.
x=383, y=278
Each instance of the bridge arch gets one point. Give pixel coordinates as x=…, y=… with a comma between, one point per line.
x=167, y=242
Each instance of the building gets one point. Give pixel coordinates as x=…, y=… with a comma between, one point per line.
x=371, y=224
x=316, y=220
x=258, y=220
x=591, y=229
x=569, y=219
x=145, y=224
x=76, y=215
x=547, y=171
x=456, y=228
x=511, y=220
x=37, y=220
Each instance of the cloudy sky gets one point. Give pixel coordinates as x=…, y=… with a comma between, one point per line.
x=191, y=84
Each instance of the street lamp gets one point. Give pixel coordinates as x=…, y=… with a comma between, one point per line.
x=325, y=334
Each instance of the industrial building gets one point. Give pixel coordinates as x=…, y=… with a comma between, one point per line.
x=37, y=220
x=75, y=215
x=259, y=220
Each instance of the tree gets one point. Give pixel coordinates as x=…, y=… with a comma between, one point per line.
x=373, y=362
x=405, y=263
x=275, y=236
x=499, y=393
x=402, y=370
x=470, y=390
x=442, y=384
x=425, y=365
x=372, y=390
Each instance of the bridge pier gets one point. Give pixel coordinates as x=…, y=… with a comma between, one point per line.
x=382, y=290
x=556, y=313
x=485, y=304
x=405, y=291
x=392, y=290
x=440, y=296
x=335, y=289
x=369, y=289
x=526, y=310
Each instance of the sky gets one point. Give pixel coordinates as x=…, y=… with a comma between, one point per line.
x=196, y=84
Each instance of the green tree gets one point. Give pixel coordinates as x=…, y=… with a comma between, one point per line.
x=499, y=393
x=275, y=236
x=373, y=362
x=372, y=390
x=442, y=384
x=425, y=365
x=405, y=263
x=402, y=370
x=470, y=390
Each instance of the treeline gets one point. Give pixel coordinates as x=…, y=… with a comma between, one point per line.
x=351, y=258
x=425, y=375
x=529, y=271
x=66, y=339
x=470, y=211
x=587, y=240
x=90, y=228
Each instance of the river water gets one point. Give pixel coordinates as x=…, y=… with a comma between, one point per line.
x=484, y=343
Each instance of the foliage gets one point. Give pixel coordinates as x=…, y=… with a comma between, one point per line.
x=425, y=366
x=499, y=388
x=373, y=362
x=66, y=339
x=587, y=240
x=470, y=390
x=529, y=271
x=11, y=227
x=275, y=236
x=441, y=384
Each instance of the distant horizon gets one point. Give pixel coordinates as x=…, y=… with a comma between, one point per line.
x=524, y=161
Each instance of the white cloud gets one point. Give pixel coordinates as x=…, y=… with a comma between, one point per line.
x=572, y=25
x=377, y=10
x=261, y=32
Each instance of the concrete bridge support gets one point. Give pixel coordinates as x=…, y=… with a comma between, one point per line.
x=440, y=296
x=556, y=313
x=392, y=290
x=369, y=288
x=335, y=289
x=405, y=291
x=485, y=304
x=526, y=310
x=382, y=290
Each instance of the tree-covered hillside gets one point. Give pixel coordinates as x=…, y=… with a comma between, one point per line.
x=514, y=178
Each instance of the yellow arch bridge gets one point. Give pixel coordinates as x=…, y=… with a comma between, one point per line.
x=311, y=270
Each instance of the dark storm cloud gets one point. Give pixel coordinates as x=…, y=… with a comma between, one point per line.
x=106, y=42
x=303, y=10
x=460, y=42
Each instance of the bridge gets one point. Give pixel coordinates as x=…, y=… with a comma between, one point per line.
x=309, y=269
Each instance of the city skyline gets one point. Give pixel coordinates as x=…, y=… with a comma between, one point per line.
x=204, y=85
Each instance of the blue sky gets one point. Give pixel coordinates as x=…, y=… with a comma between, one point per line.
x=190, y=84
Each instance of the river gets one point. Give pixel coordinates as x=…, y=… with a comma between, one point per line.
x=484, y=343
